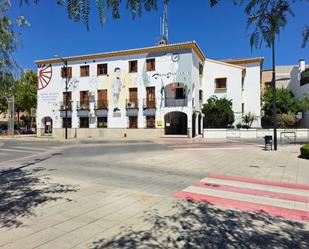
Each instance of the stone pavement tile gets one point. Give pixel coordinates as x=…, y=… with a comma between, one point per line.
x=40, y=223
x=74, y=223
x=30, y=227
x=66, y=241
x=87, y=231
x=8, y=235
x=35, y=239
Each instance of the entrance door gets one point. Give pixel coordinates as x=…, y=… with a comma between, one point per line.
x=193, y=125
x=176, y=123
x=150, y=97
x=199, y=124
x=48, y=125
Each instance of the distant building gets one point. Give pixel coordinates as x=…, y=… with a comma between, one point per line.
x=289, y=77
x=146, y=92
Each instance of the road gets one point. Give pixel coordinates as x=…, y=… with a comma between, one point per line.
x=92, y=193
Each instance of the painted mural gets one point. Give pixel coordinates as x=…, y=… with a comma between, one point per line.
x=117, y=85
x=177, y=71
x=44, y=75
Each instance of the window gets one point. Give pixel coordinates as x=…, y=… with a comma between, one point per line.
x=132, y=66
x=133, y=122
x=84, y=100
x=221, y=83
x=200, y=95
x=102, y=122
x=242, y=83
x=83, y=122
x=102, y=69
x=243, y=108
x=201, y=69
x=151, y=122
x=69, y=72
x=84, y=71
x=102, y=102
x=150, y=97
x=151, y=64
x=180, y=93
x=67, y=101
x=67, y=123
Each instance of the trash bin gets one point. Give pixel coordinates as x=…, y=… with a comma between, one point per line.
x=268, y=142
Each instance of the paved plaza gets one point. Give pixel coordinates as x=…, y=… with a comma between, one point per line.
x=167, y=193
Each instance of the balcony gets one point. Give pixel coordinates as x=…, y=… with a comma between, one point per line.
x=101, y=108
x=175, y=102
x=101, y=105
x=83, y=105
x=63, y=106
x=131, y=104
x=149, y=103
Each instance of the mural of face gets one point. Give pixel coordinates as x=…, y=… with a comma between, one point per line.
x=117, y=84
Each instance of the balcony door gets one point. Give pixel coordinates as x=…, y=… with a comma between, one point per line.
x=133, y=96
x=102, y=98
x=150, y=97
x=67, y=98
x=84, y=100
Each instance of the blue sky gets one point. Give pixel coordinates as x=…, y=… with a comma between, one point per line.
x=219, y=31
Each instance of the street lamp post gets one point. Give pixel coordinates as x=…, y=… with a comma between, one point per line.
x=65, y=62
x=274, y=93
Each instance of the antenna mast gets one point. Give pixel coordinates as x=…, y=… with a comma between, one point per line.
x=164, y=28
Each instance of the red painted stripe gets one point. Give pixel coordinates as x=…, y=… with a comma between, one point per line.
x=245, y=206
x=258, y=181
x=255, y=192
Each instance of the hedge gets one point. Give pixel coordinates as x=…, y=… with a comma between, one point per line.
x=304, y=151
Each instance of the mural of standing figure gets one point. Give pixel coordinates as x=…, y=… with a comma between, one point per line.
x=117, y=84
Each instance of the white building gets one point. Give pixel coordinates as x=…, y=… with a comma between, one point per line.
x=289, y=77
x=147, y=92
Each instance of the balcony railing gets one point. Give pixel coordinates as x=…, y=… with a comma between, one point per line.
x=101, y=105
x=149, y=103
x=64, y=106
x=83, y=105
x=173, y=102
x=131, y=104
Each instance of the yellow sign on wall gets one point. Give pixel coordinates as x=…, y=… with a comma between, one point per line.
x=159, y=122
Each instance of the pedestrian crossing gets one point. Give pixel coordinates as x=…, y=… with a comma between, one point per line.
x=287, y=200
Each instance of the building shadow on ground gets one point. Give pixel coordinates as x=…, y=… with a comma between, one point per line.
x=21, y=190
x=195, y=225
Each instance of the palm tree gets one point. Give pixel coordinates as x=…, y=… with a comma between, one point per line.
x=268, y=17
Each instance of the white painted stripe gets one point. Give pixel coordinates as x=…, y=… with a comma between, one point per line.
x=283, y=190
x=20, y=151
x=249, y=198
x=27, y=148
x=211, y=149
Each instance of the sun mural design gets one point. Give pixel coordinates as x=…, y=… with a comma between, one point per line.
x=45, y=75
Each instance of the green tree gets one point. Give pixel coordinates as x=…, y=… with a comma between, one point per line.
x=285, y=102
x=26, y=91
x=218, y=112
x=7, y=86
